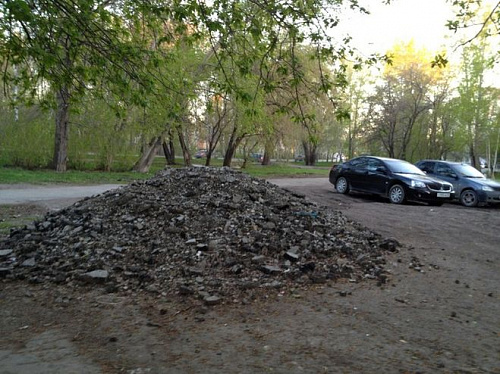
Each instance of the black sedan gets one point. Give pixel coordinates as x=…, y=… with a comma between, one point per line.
x=471, y=186
x=395, y=179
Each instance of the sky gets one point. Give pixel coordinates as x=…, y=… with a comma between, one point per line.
x=421, y=20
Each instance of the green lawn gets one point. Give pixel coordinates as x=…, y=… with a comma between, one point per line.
x=285, y=170
x=12, y=216
x=42, y=176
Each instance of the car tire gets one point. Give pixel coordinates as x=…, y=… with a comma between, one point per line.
x=469, y=198
x=397, y=194
x=342, y=185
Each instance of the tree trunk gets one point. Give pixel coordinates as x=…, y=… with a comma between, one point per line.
x=210, y=152
x=168, y=148
x=266, y=159
x=60, y=159
x=230, y=151
x=493, y=164
x=220, y=123
x=169, y=152
x=268, y=150
x=473, y=157
x=184, y=147
x=310, y=155
x=148, y=155
x=234, y=142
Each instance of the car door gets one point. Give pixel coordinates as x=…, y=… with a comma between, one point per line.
x=356, y=173
x=376, y=176
x=446, y=173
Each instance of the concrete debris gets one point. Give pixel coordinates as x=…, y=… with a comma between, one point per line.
x=213, y=234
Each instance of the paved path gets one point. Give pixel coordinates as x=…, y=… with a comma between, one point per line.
x=52, y=196
x=60, y=196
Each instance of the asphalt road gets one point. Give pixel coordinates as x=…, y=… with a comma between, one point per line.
x=60, y=196
x=53, y=197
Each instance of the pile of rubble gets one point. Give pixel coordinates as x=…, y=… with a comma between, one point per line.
x=208, y=233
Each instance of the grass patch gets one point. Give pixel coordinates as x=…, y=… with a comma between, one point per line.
x=6, y=226
x=12, y=216
x=43, y=176
x=214, y=162
x=285, y=171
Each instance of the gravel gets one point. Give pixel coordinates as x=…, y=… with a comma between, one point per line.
x=209, y=234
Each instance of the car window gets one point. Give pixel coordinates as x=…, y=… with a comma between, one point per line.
x=427, y=166
x=445, y=170
x=373, y=164
x=359, y=163
x=403, y=167
x=469, y=171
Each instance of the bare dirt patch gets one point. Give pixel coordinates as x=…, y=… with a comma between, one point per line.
x=12, y=216
x=438, y=312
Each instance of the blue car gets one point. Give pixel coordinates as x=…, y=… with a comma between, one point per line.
x=256, y=157
x=202, y=153
x=471, y=186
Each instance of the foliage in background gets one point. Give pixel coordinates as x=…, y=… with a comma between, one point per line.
x=403, y=102
x=56, y=53
x=477, y=20
x=107, y=85
x=103, y=139
x=45, y=176
x=475, y=104
x=27, y=142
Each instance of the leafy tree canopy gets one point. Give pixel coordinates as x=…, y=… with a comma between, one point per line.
x=483, y=19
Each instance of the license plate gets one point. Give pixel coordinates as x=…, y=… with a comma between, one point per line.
x=443, y=194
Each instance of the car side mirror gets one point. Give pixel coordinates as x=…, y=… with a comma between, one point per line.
x=453, y=175
x=381, y=169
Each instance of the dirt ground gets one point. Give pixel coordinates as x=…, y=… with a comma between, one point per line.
x=438, y=313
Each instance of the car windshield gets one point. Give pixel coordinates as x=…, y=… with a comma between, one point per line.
x=403, y=167
x=468, y=171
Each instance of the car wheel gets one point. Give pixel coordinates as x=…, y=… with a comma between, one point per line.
x=397, y=194
x=342, y=185
x=469, y=198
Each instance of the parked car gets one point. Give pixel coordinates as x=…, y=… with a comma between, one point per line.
x=201, y=153
x=471, y=186
x=395, y=179
x=256, y=157
x=299, y=158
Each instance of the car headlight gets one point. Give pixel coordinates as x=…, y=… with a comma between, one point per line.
x=487, y=188
x=417, y=184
